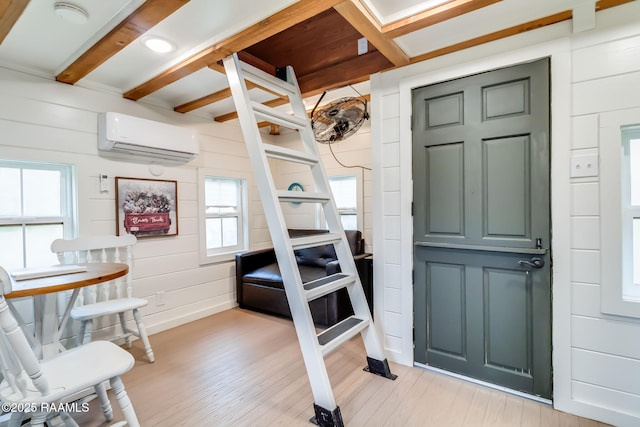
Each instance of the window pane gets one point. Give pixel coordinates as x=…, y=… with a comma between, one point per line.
x=11, y=249
x=214, y=233
x=10, y=190
x=41, y=192
x=636, y=251
x=344, y=191
x=221, y=192
x=634, y=160
x=38, y=240
x=229, y=232
x=349, y=222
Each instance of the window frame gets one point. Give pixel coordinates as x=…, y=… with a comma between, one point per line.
x=223, y=254
x=68, y=201
x=613, y=269
x=321, y=221
x=630, y=292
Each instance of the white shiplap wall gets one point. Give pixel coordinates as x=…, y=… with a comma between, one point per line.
x=595, y=73
x=42, y=120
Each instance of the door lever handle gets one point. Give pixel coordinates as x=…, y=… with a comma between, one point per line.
x=535, y=262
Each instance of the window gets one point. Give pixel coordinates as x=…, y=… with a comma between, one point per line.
x=619, y=140
x=345, y=194
x=224, y=217
x=631, y=213
x=37, y=207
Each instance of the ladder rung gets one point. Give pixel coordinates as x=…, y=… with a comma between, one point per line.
x=341, y=332
x=266, y=80
x=300, y=197
x=314, y=240
x=325, y=285
x=288, y=154
x=278, y=117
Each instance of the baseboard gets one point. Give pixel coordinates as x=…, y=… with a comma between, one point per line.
x=187, y=317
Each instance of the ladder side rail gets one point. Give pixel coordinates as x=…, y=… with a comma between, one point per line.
x=358, y=299
x=347, y=265
x=300, y=311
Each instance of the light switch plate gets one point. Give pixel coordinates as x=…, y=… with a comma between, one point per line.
x=584, y=166
x=104, y=183
x=363, y=46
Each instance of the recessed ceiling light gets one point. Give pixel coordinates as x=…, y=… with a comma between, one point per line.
x=71, y=12
x=158, y=44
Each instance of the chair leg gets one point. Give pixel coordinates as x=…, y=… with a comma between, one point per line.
x=124, y=402
x=105, y=404
x=80, y=336
x=143, y=335
x=88, y=326
x=123, y=325
x=38, y=419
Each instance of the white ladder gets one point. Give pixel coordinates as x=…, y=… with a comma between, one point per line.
x=314, y=346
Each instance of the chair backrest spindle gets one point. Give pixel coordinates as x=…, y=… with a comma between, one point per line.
x=20, y=366
x=99, y=249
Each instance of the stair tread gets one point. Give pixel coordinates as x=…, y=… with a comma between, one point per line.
x=341, y=332
x=297, y=196
x=289, y=154
x=325, y=285
x=268, y=81
x=315, y=240
x=279, y=117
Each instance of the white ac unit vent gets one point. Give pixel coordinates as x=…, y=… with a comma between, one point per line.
x=132, y=138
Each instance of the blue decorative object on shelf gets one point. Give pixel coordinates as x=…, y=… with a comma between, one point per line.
x=296, y=187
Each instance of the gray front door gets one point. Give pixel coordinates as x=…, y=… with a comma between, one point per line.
x=482, y=294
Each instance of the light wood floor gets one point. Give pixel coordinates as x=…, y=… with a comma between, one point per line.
x=240, y=368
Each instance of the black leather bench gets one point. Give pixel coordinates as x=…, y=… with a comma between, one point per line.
x=259, y=284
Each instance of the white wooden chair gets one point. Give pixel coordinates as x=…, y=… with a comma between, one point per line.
x=105, y=299
x=42, y=387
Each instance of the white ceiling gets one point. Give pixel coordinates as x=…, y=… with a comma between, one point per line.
x=43, y=43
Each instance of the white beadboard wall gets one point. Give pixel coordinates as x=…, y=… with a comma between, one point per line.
x=596, y=357
x=354, y=151
x=42, y=120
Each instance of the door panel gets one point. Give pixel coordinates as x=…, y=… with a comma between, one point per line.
x=446, y=295
x=506, y=99
x=445, y=211
x=506, y=186
x=481, y=212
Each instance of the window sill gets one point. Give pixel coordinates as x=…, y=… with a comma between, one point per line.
x=219, y=257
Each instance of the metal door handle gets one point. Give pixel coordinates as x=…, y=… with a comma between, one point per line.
x=535, y=262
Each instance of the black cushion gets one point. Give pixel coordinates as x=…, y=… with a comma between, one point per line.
x=270, y=276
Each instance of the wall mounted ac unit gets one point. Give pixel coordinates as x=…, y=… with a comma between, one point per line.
x=132, y=138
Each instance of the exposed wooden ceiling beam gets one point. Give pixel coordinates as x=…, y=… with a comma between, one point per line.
x=10, y=11
x=360, y=19
x=511, y=31
x=507, y=32
x=150, y=13
x=606, y=4
x=355, y=70
x=433, y=16
x=294, y=14
x=203, y=101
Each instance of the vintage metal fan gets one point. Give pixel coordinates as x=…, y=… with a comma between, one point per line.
x=339, y=119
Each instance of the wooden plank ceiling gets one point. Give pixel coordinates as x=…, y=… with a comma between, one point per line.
x=317, y=37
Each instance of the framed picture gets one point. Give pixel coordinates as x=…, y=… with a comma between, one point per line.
x=146, y=207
